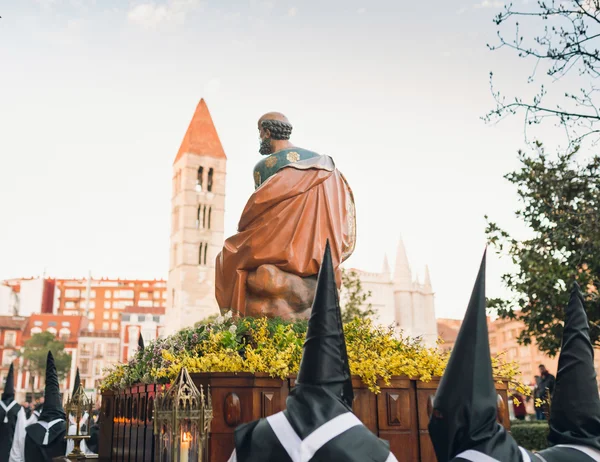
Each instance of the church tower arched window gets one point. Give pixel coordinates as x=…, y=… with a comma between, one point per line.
x=199, y=179
x=209, y=214
x=209, y=183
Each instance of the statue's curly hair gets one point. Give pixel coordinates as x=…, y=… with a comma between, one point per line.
x=279, y=130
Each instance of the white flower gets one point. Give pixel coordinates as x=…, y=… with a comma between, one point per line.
x=228, y=315
x=220, y=319
x=233, y=329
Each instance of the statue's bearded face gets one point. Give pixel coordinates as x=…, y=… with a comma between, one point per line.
x=266, y=145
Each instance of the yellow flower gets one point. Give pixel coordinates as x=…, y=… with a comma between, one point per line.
x=375, y=354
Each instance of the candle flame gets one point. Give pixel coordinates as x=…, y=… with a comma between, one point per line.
x=186, y=437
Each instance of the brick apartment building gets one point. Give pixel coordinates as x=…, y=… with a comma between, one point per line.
x=94, y=317
x=11, y=332
x=150, y=322
x=503, y=338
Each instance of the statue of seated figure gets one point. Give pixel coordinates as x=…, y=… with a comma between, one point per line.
x=301, y=200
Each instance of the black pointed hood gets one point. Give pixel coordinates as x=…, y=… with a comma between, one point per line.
x=77, y=382
x=9, y=386
x=140, y=342
x=575, y=405
x=465, y=405
x=52, y=408
x=325, y=359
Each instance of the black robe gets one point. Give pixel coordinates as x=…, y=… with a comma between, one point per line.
x=92, y=443
x=36, y=451
x=8, y=423
x=312, y=413
x=554, y=454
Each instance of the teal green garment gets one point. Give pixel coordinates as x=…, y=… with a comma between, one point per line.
x=270, y=165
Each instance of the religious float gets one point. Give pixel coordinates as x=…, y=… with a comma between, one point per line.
x=181, y=398
x=243, y=369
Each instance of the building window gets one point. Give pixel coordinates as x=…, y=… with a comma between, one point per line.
x=84, y=365
x=65, y=324
x=115, y=315
x=199, y=216
x=106, y=315
x=157, y=294
x=104, y=326
x=99, y=350
x=202, y=251
x=91, y=304
x=156, y=319
x=92, y=294
x=35, y=330
x=209, y=183
x=64, y=334
x=106, y=304
x=209, y=216
x=69, y=304
x=8, y=357
x=115, y=326
x=199, y=179
x=52, y=330
x=72, y=293
x=107, y=294
x=123, y=294
x=145, y=303
x=86, y=348
x=91, y=315
x=125, y=317
x=112, y=350
x=37, y=323
x=141, y=317
x=10, y=339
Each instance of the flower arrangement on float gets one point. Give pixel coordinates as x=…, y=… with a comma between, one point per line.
x=274, y=346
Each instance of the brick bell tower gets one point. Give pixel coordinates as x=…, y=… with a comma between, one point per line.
x=197, y=223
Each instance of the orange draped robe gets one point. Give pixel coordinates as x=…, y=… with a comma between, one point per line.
x=286, y=223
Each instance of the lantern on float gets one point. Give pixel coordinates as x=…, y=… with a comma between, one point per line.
x=77, y=405
x=182, y=417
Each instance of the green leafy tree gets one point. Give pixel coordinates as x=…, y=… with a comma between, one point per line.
x=35, y=353
x=355, y=301
x=560, y=204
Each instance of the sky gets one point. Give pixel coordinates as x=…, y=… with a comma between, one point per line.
x=96, y=96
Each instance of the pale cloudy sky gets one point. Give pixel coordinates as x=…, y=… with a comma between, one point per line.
x=95, y=97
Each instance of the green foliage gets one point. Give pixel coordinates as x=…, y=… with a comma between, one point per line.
x=532, y=435
x=561, y=207
x=354, y=299
x=35, y=353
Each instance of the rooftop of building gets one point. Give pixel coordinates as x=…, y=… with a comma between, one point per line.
x=74, y=324
x=201, y=136
x=13, y=322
